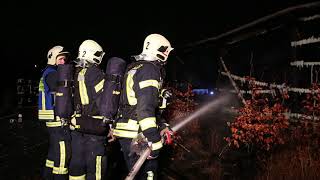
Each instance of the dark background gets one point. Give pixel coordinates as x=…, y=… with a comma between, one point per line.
x=31, y=28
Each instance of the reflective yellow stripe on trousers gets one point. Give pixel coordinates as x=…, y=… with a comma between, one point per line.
x=150, y=175
x=98, y=167
x=61, y=169
x=49, y=163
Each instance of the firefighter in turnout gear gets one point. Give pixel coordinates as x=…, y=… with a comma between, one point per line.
x=89, y=124
x=59, y=135
x=140, y=101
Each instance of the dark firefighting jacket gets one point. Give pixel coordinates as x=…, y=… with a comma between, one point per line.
x=88, y=88
x=139, y=102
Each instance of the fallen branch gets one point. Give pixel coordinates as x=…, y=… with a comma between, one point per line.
x=232, y=82
x=301, y=116
x=250, y=91
x=310, y=18
x=302, y=64
x=301, y=42
x=272, y=85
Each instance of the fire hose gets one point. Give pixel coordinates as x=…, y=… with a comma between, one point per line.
x=167, y=140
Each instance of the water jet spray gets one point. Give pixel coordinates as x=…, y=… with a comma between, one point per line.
x=216, y=103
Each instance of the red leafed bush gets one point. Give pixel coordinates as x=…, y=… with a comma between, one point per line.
x=181, y=105
x=260, y=123
x=307, y=128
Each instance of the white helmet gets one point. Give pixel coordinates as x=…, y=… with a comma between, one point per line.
x=53, y=53
x=90, y=52
x=155, y=48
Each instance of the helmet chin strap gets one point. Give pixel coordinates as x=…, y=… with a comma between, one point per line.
x=82, y=63
x=144, y=57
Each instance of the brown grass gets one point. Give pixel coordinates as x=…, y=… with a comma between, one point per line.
x=301, y=162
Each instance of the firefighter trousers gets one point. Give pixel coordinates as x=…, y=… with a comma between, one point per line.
x=88, y=158
x=59, y=151
x=148, y=170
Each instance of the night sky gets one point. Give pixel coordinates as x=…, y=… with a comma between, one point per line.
x=31, y=28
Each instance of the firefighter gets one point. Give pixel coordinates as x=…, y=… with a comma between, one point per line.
x=59, y=137
x=90, y=128
x=140, y=101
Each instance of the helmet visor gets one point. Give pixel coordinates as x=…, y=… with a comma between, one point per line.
x=163, y=49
